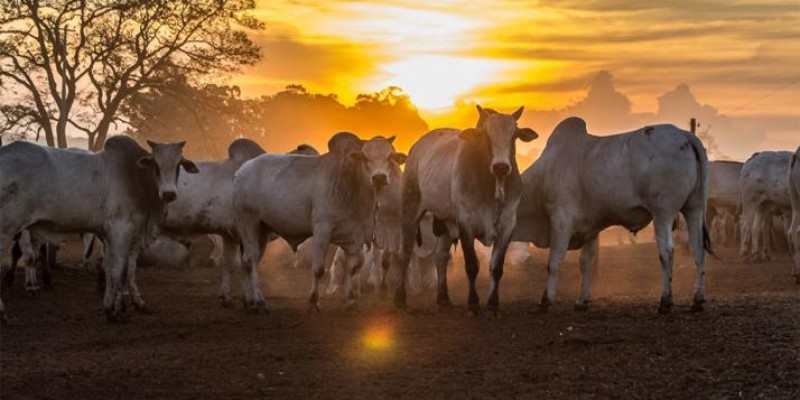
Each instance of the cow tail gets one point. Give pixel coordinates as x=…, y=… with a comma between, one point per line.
x=702, y=186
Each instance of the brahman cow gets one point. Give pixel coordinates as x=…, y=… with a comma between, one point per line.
x=470, y=182
x=118, y=193
x=583, y=184
x=794, y=194
x=765, y=192
x=330, y=197
x=724, y=198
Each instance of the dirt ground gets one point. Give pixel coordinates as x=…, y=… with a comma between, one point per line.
x=745, y=345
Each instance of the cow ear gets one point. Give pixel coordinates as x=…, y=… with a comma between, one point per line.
x=399, y=158
x=518, y=113
x=470, y=133
x=181, y=144
x=526, y=134
x=146, y=162
x=189, y=166
x=391, y=139
x=152, y=144
x=479, y=108
x=357, y=156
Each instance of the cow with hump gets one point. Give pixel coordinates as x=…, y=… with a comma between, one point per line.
x=118, y=193
x=583, y=184
x=469, y=181
x=765, y=193
x=331, y=197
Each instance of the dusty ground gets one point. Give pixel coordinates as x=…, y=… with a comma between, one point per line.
x=745, y=345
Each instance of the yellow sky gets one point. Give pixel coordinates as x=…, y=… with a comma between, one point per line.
x=742, y=57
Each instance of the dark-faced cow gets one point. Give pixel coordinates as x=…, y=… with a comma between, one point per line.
x=118, y=193
x=470, y=182
x=330, y=197
x=765, y=192
x=583, y=184
x=794, y=193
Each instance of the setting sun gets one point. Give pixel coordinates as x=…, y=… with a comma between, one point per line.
x=435, y=82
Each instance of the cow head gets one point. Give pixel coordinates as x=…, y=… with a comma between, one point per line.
x=165, y=161
x=501, y=130
x=379, y=159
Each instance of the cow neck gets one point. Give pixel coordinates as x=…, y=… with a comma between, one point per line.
x=140, y=184
x=479, y=155
x=348, y=184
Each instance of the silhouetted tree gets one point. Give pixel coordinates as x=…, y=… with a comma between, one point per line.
x=75, y=62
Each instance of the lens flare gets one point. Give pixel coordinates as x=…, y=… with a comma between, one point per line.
x=378, y=336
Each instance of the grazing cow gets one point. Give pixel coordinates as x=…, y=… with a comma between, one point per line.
x=470, y=182
x=583, y=184
x=330, y=197
x=794, y=194
x=765, y=192
x=118, y=193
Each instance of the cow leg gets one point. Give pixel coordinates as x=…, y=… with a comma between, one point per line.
x=229, y=249
x=496, y=273
x=587, y=261
x=695, y=220
x=757, y=236
x=5, y=241
x=472, y=266
x=666, y=251
x=442, y=254
x=136, y=296
x=559, y=243
x=354, y=259
x=746, y=233
x=16, y=255
x=36, y=259
x=50, y=253
x=319, y=251
x=115, y=265
x=337, y=272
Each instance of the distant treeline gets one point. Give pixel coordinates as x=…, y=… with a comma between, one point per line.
x=209, y=116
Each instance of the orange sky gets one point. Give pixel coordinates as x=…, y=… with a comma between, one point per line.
x=740, y=57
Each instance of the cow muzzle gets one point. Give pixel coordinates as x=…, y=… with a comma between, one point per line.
x=168, y=196
x=501, y=169
x=379, y=181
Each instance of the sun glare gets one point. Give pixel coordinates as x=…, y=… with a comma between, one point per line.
x=435, y=82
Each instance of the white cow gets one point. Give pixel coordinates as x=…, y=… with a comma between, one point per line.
x=118, y=193
x=724, y=198
x=583, y=184
x=765, y=192
x=794, y=193
x=331, y=197
x=470, y=182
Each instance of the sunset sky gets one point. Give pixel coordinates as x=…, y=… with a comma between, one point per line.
x=742, y=58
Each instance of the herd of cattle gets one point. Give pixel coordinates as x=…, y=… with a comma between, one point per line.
x=356, y=201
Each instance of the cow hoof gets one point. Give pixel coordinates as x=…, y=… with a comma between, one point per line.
x=143, y=309
x=582, y=306
x=797, y=279
x=32, y=290
x=226, y=302
x=444, y=304
x=116, y=317
x=664, y=307
x=351, y=306
x=258, y=307
x=4, y=319
x=494, y=310
x=474, y=312
x=698, y=307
